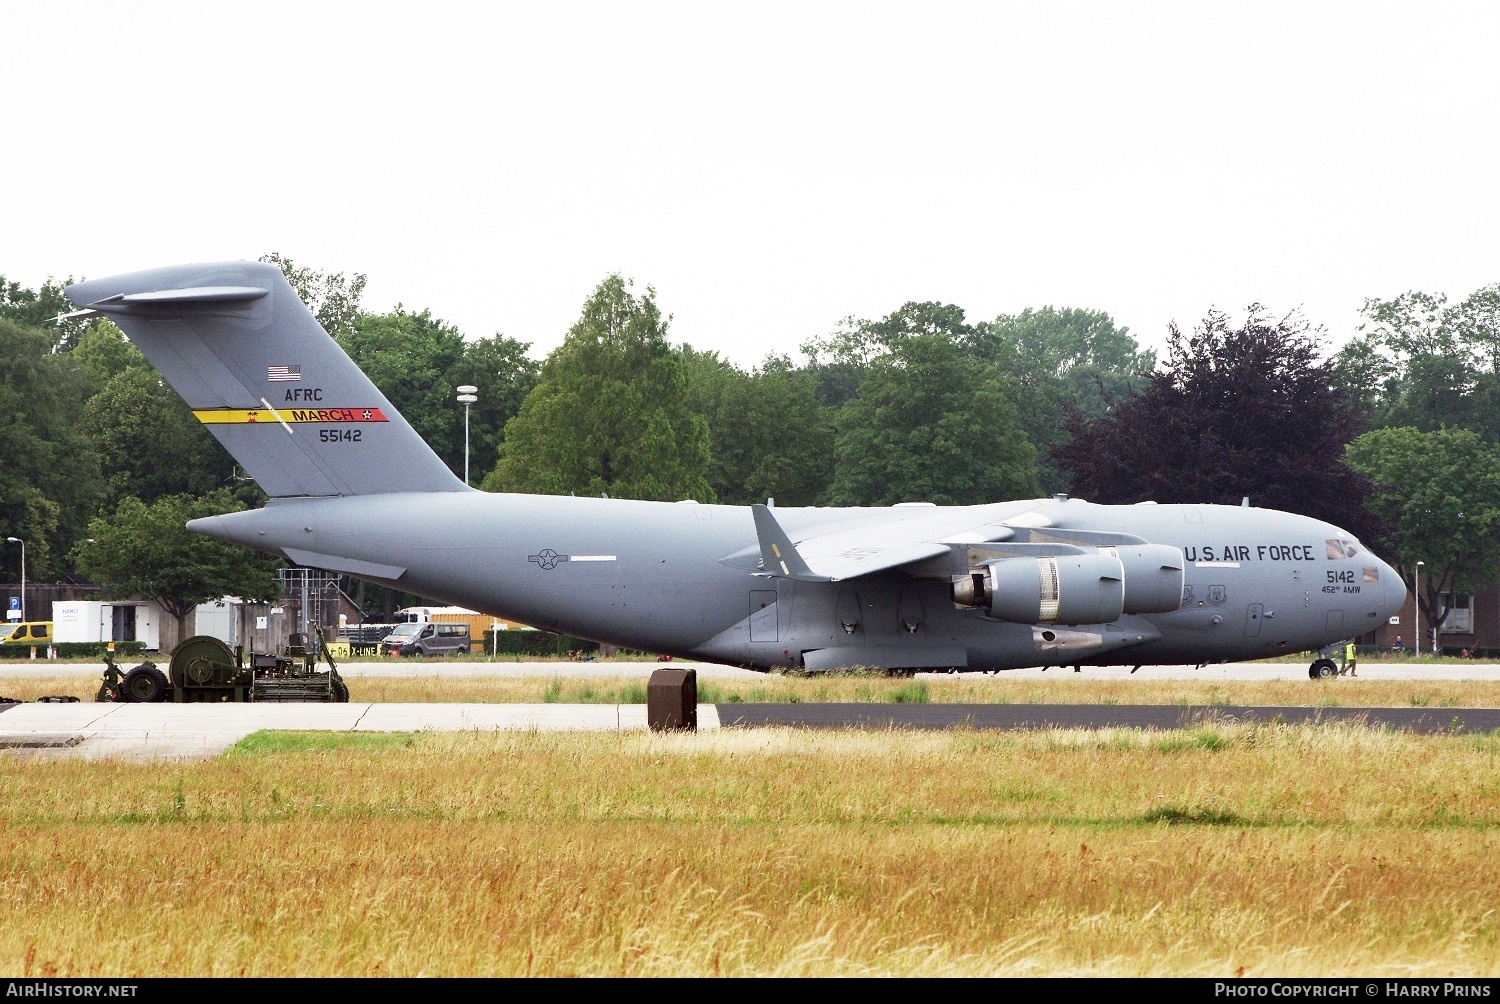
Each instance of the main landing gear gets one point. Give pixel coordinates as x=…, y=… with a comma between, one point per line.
x=1323, y=669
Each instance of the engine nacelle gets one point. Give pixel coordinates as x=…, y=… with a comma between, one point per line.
x=1065, y=589
x=1154, y=576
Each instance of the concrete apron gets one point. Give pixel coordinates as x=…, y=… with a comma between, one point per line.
x=198, y=731
x=351, y=671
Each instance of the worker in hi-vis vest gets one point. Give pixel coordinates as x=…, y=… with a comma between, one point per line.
x=1349, y=659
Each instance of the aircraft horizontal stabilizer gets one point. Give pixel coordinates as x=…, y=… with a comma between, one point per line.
x=175, y=301
x=194, y=296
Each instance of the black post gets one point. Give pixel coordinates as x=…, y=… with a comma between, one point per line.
x=672, y=700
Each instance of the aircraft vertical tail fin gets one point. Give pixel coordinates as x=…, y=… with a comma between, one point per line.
x=235, y=341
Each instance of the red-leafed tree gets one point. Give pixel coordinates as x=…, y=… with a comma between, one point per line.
x=1247, y=410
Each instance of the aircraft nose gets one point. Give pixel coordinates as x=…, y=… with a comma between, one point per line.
x=1394, y=595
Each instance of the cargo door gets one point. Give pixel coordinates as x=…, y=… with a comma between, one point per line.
x=1253, y=617
x=763, y=615
x=123, y=626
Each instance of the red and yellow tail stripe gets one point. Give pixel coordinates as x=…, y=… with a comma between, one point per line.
x=271, y=416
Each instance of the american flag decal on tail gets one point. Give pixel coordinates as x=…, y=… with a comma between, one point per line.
x=284, y=374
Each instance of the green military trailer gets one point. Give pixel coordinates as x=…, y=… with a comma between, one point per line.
x=205, y=670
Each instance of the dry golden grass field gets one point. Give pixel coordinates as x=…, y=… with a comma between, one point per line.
x=1270, y=850
x=1065, y=688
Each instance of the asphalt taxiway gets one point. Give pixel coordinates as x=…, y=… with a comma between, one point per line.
x=1095, y=716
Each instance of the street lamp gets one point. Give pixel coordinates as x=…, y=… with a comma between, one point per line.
x=466, y=397
x=1416, y=602
x=18, y=540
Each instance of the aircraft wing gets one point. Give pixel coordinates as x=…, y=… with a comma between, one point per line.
x=849, y=552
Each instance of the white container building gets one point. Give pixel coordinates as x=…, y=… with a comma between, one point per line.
x=107, y=620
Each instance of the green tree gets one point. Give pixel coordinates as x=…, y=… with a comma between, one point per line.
x=1423, y=361
x=147, y=441
x=1475, y=324
x=1412, y=324
x=610, y=413
x=843, y=359
x=1057, y=362
x=1054, y=362
x=39, y=309
x=1438, y=494
x=770, y=437
x=928, y=425
x=708, y=374
x=1365, y=373
x=49, y=480
x=411, y=358
x=1097, y=364
x=333, y=297
x=145, y=550
x=103, y=353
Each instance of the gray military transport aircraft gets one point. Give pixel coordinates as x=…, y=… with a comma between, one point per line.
x=1033, y=582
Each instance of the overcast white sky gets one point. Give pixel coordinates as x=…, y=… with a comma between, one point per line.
x=768, y=168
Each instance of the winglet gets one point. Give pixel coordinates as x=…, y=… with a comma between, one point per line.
x=777, y=553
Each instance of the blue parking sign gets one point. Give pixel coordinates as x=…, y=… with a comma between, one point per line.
x=15, y=603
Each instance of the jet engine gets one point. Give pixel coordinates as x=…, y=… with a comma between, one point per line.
x=1057, y=589
x=1153, y=577
x=1091, y=588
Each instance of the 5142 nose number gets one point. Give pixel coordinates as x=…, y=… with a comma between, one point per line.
x=1341, y=581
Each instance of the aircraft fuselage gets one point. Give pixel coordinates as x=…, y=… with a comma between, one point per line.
x=686, y=579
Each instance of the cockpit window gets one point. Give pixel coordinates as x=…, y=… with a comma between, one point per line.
x=1372, y=574
x=1340, y=549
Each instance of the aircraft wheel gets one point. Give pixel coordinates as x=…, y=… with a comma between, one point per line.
x=145, y=685
x=1323, y=669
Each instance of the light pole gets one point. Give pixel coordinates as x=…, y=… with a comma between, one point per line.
x=466, y=397
x=18, y=540
x=1416, y=602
